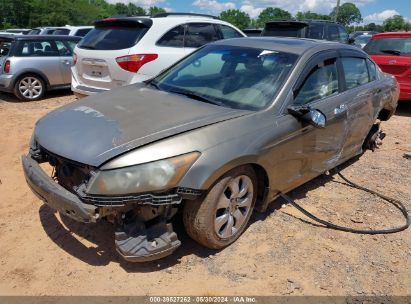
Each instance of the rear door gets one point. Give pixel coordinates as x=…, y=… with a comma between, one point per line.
x=65, y=49
x=100, y=50
x=362, y=96
x=43, y=56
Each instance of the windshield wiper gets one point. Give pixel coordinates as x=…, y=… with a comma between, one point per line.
x=195, y=96
x=393, y=52
x=154, y=84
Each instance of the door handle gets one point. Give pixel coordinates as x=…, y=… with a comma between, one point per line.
x=66, y=62
x=341, y=109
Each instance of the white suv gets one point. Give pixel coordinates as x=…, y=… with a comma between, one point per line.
x=69, y=30
x=126, y=50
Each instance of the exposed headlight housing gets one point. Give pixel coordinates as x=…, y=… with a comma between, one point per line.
x=154, y=176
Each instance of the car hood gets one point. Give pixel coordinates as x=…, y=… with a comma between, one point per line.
x=101, y=127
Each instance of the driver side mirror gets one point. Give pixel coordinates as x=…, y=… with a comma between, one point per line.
x=351, y=40
x=312, y=116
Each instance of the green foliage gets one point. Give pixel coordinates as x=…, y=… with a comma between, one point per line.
x=311, y=16
x=272, y=14
x=348, y=13
x=395, y=23
x=155, y=10
x=236, y=17
x=33, y=13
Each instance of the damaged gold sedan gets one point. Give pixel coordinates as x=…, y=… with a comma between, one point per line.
x=222, y=132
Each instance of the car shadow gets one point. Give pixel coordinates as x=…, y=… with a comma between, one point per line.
x=94, y=243
x=9, y=97
x=404, y=108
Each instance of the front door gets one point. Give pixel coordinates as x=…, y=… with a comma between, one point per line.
x=306, y=151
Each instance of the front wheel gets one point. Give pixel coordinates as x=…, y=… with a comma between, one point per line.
x=222, y=216
x=29, y=88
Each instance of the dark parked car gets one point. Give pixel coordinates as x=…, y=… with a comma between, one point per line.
x=30, y=65
x=322, y=30
x=355, y=34
x=392, y=53
x=221, y=132
x=253, y=32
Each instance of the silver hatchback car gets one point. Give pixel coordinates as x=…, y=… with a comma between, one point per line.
x=31, y=64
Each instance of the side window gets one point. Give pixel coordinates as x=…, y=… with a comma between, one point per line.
x=63, y=49
x=321, y=82
x=82, y=32
x=37, y=48
x=355, y=71
x=71, y=44
x=343, y=34
x=173, y=38
x=199, y=34
x=229, y=32
x=315, y=31
x=333, y=33
x=372, y=69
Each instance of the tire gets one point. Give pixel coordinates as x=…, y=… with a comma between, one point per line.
x=29, y=87
x=208, y=221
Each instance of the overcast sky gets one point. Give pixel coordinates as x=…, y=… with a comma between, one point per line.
x=372, y=10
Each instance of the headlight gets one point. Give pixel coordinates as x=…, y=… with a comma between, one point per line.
x=156, y=175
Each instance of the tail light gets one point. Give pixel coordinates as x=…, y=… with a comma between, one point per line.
x=74, y=58
x=133, y=63
x=6, y=67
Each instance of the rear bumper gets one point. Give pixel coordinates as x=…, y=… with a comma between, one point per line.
x=55, y=195
x=6, y=82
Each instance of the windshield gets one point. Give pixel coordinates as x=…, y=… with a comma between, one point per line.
x=363, y=39
x=389, y=46
x=236, y=77
x=112, y=37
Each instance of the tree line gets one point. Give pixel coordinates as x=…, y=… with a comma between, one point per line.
x=33, y=13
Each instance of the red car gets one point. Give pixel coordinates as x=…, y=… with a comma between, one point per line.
x=392, y=52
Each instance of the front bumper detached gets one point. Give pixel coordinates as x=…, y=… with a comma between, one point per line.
x=135, y=241
x=55, y=195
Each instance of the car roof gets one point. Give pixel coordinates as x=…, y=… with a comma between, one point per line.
x=392, y=35
x=302, y=22
x=292, y=45
x=42, y=37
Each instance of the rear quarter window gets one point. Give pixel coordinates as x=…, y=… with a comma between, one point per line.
x=5, y=47
x=112, y=38
x=173, y=38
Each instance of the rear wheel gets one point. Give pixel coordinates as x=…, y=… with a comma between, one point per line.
x=221, y=217
x=29, y=87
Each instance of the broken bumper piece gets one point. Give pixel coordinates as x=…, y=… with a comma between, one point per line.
x=137, y=243
x=55, y=195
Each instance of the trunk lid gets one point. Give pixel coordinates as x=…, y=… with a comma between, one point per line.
x=97, y=52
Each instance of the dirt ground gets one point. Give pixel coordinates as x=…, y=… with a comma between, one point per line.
x=280, y=253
